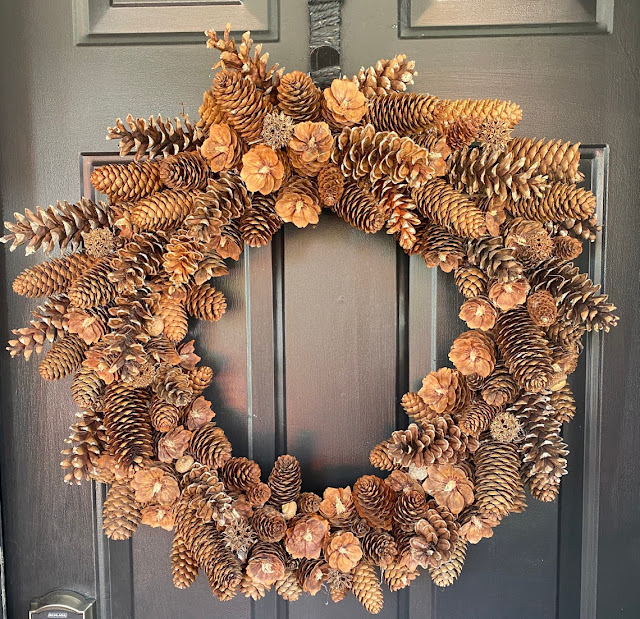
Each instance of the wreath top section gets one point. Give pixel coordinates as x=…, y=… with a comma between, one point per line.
x=505, y=214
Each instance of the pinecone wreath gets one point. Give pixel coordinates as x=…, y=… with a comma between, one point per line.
x=504, y=215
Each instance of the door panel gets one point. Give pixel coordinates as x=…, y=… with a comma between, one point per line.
x=327, y=328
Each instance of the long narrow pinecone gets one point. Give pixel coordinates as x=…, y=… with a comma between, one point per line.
x=210, y=446
x=184, y=568
x=87, y=389
x=244, y=107
x=543, y=451
x=260, y=222
x=154, y=137
x=446, y=573
x=85, y=444
x=449, y=110
x=442, y=204
x=373, y=500
x=386, y=76
x=497, y=478
x=560, y=201
x=63, y=358
x=492, y=173
x=51, y=277
x=285, y=480
x=121, y=512
x=184, y=171
x=577, y=297
x=554, y=158
x=366, y=587
x=564, y=404
x=404, y=113
x=299, y=97
x=525, y=350
x=93, y=288
x=497, y=261
x=56, y=226
x=174, y=317
x=127, y=425
x=127, y=182
x=210, y=113
x=164, y=210
x=205, y=302
x=359, y=208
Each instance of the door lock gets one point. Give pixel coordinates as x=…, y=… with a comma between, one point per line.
x=62, y=605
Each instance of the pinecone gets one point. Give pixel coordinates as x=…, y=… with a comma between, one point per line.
x=558, y=202
x=581, y=229
x=446, y=573
x=577, y=298
x=525, y=350
x=260, y=222
x=201, y=378
x=87, y=389
x=445, y=390
x=258, y=495
x=399, y=210
x=398, y=576
x=162, y=211
x=434, y=539
x=359, y=208
x=184, y=171
x=386, y=76
x=542, y=308
x=364, y=154
x=61, y=225
x=299, y=97
x=497, y=478
x=409, y=507
x=366, y=587
x=155, y=137
x=404, y=113
x=164, y=417
x=497, y=261
x=505, y=428
x=471, y=281
x=312, y=574
x=285, y=480
x=240, y=474
x=556, y=159
x=288, y=587
x=86, y=443
x=416, y=408
x=379, y=548
x=172, y=385
x=184, y=568
x=442, y=204
x=120, y=512
x=380, y=459
x=330, y=184
x=210, y=446
x=140, y=257
x=490, y=172
x=210, y=114
x=269, y=524
x=250, y=589
x=542, y=450
x=205, y=302
x=495, y=134
x=222, y=150
x=462, y=132
x=127, y=182
x=478, y=313
x=450, y=110
x=244, y=107
x=174, y=316
x=563, y=404
x=63, y=358
x=309, y=503
x=438, y=247
x=500, y=388
x=566, y=248
x=476, y=417
x=530, y=241
x=127, y=425
x=374, y=500
x=93, y=288
x=473, y=353
x=51, y=277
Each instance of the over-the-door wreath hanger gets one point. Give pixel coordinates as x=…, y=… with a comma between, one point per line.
x=504, y=215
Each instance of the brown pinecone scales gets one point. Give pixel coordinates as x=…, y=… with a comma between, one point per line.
x=164, y=417
x=184, y=568
x=462, y=132
x=444, y=205
x=312, y=573
x=87, y=389
x=379, y=548
x=260, y=222
x=542, y=450
x=200, y=378
x=530, y=241
x=553, y=158
x=500, y=388
x=564, y=404
x=269, y=524
x=398, y=576
x=120, y=512
x=386, y=76
x=86, y=443
x=210, y=114
x=409, y=507
x=140, y=257
x=416, y=408
x=288, y=587
x=172, y=385
x=438, y=247
x=558, y=202
x=127, y=426
x=366, y=587
x=299, y=97
x=205, y=302
x=360, y=209
x=240, y=474
x=163, y=210
x=330, y=184
x=63, y=358
x=174, y=317
x=243, y=105
x=434, y=538
x=373, y=500
x=309, y=503
x=582, y=229
x=61, y=225
x=127, y=182
x=52, y=277
x=184, y=171
x=380, y=459
x=210, y=446
x=93, y=288
x=496, y=261
x=285, y=480
x=477, y=417
x=449, y=110
x=577, y=297
x=497, y=478
x=471, y=281
x=404, y=113
x=447, y=572
x=525, y=350
x=566, y=247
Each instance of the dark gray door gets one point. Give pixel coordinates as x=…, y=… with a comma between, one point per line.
x=326, y=328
